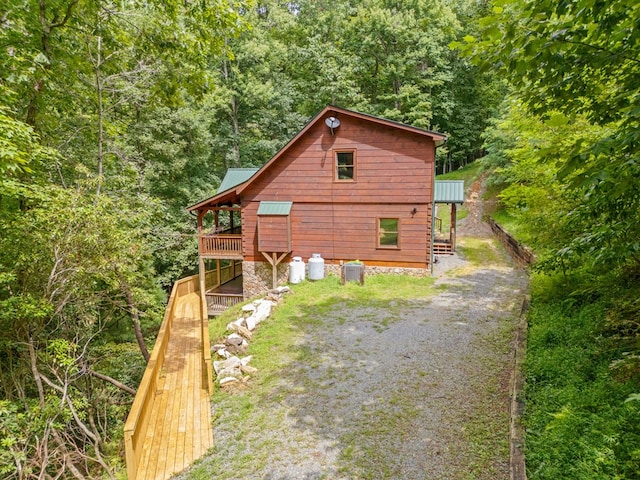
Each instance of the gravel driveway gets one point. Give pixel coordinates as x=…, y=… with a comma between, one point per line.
x=409, y=391
x=415, y=390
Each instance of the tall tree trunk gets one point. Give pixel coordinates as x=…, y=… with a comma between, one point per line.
x=233, y=115
x=47, y=28
x=98, y=84
x=135, y=317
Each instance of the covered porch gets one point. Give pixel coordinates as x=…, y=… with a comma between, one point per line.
x=448, y=195
x=220, y=218
x=223, y=286
x=223, y=239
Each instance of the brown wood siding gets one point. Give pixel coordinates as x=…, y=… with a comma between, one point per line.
x=274, y=233
x=394, y=174
x=392, y=166
x=342, y=232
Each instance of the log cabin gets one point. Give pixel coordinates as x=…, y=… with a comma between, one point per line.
x=348, y=186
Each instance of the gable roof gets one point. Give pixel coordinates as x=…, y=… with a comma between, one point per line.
x=438, y=138
x=230, y=188
x=449, y=191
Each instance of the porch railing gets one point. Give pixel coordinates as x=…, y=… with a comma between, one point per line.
x=223, y=245
x=219, y=302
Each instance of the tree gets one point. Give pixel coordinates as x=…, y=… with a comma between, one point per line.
x=580, y=59
x=71, y=266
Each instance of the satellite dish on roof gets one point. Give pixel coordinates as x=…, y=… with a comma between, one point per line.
x=332, y=122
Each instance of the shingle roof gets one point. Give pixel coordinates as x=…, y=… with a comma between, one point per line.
x=449, y=191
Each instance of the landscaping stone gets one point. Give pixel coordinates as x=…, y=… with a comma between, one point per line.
x=234, y=339
x=233, y=368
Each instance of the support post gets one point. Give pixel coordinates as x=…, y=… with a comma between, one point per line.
x=452, y=230
x=274, y=260
x=202, y=279
x=274, y=272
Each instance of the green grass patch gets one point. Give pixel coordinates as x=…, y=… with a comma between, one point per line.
x=481, y=251
x=468, y=173
x=577, y=421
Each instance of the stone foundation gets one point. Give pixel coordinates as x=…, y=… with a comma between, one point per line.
x=375, y=270
x=257, y=277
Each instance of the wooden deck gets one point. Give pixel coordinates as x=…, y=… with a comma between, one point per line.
x=179, y=429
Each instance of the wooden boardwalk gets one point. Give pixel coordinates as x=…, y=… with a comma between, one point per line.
x=179, y=429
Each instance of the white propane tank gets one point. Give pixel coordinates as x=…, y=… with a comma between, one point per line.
x=296, y=270
x=316, y=267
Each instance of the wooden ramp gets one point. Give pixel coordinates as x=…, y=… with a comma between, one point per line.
x=174, y=426
x=179, y=429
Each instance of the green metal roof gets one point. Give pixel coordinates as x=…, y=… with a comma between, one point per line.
x=449, y=191
x=274, y=208
x=235, y=177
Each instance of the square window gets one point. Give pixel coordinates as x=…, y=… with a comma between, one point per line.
x=388, y=233
x=346, y=166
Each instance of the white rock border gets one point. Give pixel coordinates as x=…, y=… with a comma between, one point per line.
x=233, y=369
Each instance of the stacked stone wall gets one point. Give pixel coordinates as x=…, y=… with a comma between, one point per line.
x=375, y=270
x=257, y=277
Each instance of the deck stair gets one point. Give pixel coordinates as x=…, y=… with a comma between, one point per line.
x=442, y=248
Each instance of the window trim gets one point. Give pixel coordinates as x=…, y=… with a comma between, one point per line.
x=353, y=151
x=399, y=229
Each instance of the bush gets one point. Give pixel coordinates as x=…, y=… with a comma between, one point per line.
x=578, y=425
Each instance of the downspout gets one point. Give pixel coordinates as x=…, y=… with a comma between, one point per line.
x=433, y=205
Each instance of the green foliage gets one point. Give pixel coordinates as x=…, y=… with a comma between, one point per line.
x=20, y=151
x=578, y=424
x=574, y=65
x=71, y=265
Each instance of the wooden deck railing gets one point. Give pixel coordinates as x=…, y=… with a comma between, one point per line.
x=135, y=428
x=219, y=302
x=221, y=246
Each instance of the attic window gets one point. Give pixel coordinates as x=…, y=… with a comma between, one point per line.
x=346, y=165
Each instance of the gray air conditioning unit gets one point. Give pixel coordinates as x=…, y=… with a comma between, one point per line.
x=353, y=272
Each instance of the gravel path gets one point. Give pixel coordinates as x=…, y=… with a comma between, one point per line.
x=409, y=391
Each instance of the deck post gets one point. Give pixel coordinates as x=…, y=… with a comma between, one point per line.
x=202, y=279
x=452, y=230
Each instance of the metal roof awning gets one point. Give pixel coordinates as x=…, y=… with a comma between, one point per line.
x=274, y=208
x=235, y=177
x=449, y=191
